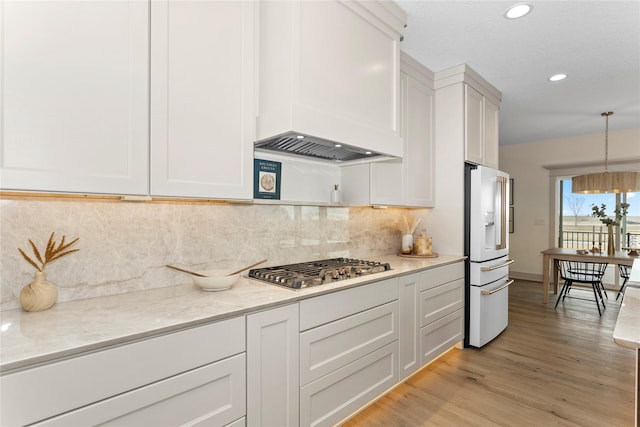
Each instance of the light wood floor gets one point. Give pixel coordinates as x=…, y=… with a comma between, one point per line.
x=548, y=368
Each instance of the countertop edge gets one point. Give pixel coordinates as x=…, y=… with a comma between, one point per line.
x=36, y=329
x=627, y=330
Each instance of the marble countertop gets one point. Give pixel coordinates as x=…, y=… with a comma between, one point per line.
x=74, y=327
x=627, y=330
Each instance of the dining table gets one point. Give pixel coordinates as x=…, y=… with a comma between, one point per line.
x=550, y=255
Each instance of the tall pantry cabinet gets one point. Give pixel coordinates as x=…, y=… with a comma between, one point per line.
x=129, y=97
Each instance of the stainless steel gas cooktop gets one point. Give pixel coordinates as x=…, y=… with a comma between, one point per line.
x=305, y=274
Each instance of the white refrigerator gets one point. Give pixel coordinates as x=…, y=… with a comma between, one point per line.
x=487, y=251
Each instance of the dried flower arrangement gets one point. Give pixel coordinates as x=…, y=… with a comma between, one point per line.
x=52, y=252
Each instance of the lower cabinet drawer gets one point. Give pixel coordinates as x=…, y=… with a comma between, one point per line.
x=333, y=397
x=329, y=347
x=438, y=336
x=99, y=375
x=440, y=301
x=210, y=395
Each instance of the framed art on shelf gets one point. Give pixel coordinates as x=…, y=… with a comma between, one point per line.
x=266, y=179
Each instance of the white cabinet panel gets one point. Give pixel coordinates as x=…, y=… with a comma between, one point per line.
x=440, y=301
x=74, y=84
x=467, y=114
x=335, y=396
x=210, y=395
x=418, y=129
x=273, y=367
x=439, y=336
x=442, y=275
x=329, y=347
x=91, y=377
x=474, y=125
x=327, y=308
x=409, y=314
x=491, y=130
x=202, y=98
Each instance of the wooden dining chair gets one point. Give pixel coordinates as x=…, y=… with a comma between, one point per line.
x=624, y=274
x=589, y=273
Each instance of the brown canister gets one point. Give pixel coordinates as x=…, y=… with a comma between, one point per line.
x=423, y=245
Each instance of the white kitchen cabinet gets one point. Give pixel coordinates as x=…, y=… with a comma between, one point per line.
x=273, y=367
x=75, y=98
x=348, y=350
x=210, y=395
x=441, y=301
x=481, y=129
x=426, y=298
x=329, y=347
x=202, y=98
x=471, y=120
x=408, y=324
x=197, y=373
x=411, y=182
x=330, y=69
x=335, y=396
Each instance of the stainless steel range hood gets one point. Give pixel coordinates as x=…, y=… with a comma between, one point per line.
x=319, y=149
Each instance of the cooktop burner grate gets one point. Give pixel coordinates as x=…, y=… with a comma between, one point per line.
x=313, y=273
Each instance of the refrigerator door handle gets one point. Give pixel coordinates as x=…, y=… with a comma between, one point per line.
x=493, y=291
x=501, y=183
x=495, y=267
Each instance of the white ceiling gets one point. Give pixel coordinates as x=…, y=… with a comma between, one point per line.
x=597, y=43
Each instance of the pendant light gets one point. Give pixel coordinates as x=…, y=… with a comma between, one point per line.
x=606, y=182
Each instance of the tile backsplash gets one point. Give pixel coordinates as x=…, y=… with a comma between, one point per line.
x=125, y=246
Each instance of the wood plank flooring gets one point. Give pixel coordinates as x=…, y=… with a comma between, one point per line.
x=548, y=368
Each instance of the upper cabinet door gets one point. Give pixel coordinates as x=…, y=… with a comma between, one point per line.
x=202, y=98
x=74, y=84
x=491, y=130
x=474, y=125
x=419, y=159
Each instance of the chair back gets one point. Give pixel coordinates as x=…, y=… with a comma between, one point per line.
x=624, y=271
x=583, y=272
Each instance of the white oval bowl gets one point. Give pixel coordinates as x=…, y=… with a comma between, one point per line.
x=216, y=280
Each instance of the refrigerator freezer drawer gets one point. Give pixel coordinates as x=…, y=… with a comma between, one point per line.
x=488, y=311
x=483, y=273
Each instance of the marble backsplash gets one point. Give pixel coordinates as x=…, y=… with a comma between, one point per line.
x=125, y=246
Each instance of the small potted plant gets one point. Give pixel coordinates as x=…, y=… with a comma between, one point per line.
x=41, y=295
x=619, y=212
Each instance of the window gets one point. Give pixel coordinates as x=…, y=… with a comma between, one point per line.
x=579, y=229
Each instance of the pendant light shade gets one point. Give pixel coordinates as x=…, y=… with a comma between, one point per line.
x=606, y=182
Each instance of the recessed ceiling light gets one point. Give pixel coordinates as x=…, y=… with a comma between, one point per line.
x=557, y=77
x=300, y=136
x=518, y=11
x=368, y=152
x=337, y=145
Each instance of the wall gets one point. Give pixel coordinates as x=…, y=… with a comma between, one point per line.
x=125, y=246
x=532, y=194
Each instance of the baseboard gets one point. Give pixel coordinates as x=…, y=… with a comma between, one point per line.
x=519, y=275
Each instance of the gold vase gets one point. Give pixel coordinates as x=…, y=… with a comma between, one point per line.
x=39, y=295
x=611, y=248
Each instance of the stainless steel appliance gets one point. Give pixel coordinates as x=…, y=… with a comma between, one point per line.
x=314, y=273
x=487, y=251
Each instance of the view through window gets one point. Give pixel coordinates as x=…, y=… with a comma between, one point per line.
x=579, y=229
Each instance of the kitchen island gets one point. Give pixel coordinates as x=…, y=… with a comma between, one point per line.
x=627, y=331
x=163, y=331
